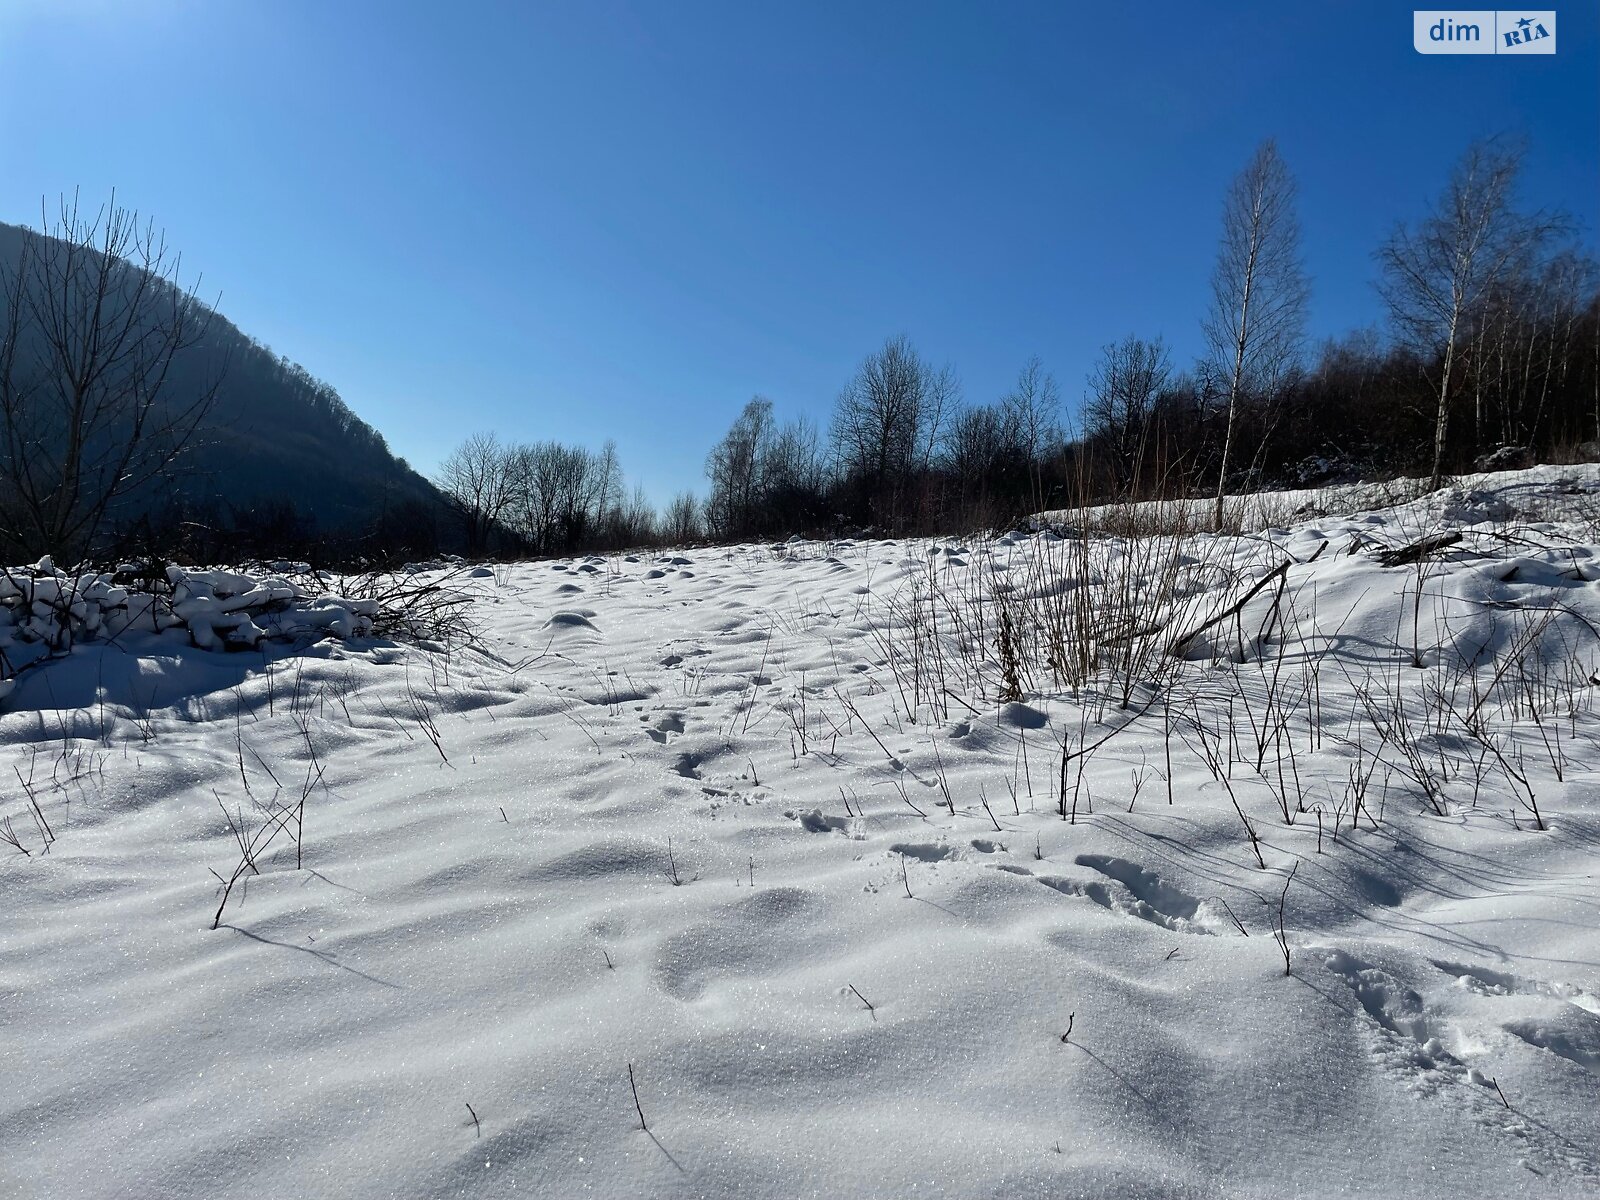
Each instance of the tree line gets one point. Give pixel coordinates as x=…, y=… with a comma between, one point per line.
x=132, y=415
x=543, y=498
x=1490, y=356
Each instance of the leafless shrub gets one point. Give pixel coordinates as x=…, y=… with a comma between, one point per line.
x=8, y=835
x=415, y=606
x=253, y=843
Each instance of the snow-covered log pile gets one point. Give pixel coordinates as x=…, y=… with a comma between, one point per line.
x=45, y=610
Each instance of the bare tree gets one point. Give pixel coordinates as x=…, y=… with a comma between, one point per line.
x=681, y=524
x=795, y=466
x=737, y=468
x=940, y=401
x=534, y=500
x=93, y=319
x=976, y=442
x=1517, y=343
x=607, y=495
x=1123, y=388
x=1030, y=413
x=1436, y=275
x=795, y=479
x=560, y=498
x=1258, y=290
x=631, y=523
x=881, y=423
x=576, y=492
x=479, y=480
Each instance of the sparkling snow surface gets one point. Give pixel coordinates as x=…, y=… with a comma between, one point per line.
x=493, y=921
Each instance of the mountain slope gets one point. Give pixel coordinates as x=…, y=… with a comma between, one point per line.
x=276, y=435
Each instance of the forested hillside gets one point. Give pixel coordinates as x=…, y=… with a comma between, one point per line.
x=275, y=455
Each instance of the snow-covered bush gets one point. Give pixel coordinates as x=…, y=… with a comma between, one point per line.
x=45, y=611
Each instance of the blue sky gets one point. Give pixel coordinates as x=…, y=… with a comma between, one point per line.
x=590, y=219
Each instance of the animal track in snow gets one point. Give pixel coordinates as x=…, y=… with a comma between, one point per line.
x=670, y=723
x=1409, y=1044
x=1570, y=1032
x=1390, y=1003
x=816, y=821
x=1489, y=982
x=928, y=852
x=1132, y=890
x=1565, y=1020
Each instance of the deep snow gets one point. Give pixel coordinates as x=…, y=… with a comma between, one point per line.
x=665, y=814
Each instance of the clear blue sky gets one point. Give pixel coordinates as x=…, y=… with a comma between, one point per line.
x=589, y=219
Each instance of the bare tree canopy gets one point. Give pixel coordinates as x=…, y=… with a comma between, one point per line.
x=476, y=479
x=736, y=468
x=886, y=425
x=1031, y=415
x=1437, y=275
x=1123, y=388
x=93, y=318
x=542, y=498
x=681, y=524
x=764, y=476
x=1258, y=290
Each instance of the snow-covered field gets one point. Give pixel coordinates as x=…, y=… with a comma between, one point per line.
x=757, y=826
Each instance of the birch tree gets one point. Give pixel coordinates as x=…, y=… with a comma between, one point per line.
x=736, y=467
x=1258, y=291
x=1437, y=274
